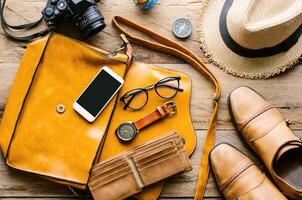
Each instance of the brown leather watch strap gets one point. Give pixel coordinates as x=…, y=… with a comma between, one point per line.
x=163, y=44
x=159, y=113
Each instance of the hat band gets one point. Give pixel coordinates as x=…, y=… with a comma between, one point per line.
x=253, y=53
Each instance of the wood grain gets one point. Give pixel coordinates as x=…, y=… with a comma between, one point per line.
x=7, y=75
x=161, y=19
x=89, y=198
x=18, y=184
x=43, y=198
x=283, y=91
x=190, y=198
x=280, y=91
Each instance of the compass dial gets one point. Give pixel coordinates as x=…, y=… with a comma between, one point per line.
x=182, y=28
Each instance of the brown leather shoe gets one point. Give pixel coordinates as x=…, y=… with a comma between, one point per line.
x=237, y=177
x=267, y=133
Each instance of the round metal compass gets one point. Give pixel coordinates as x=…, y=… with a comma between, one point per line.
x=182, y=28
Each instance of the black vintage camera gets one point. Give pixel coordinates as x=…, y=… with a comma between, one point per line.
x=83, y=13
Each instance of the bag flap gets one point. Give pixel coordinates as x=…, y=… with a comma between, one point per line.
x=19, y=89
x=45, y=142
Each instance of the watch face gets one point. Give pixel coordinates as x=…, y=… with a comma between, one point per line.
x=126, y=132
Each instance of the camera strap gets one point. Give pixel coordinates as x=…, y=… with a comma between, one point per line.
x=27, y=26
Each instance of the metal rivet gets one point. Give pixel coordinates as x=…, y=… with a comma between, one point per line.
x=60, y=108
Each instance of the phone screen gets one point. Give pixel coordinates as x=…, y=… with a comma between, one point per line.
x=98, y=93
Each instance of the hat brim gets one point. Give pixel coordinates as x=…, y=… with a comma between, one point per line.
x=253, y=68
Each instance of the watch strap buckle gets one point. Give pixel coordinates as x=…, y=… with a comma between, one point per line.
x=170, y=106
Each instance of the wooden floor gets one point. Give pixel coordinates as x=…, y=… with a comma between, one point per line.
x=284, y=91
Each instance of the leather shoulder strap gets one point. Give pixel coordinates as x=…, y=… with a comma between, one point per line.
x=165, y=45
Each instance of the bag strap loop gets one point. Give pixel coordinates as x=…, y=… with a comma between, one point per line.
x=165, y=45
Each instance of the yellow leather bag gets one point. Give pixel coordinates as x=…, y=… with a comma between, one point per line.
x=37, y=136
x=34, y=135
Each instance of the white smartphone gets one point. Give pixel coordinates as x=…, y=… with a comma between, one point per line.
x=98, y=94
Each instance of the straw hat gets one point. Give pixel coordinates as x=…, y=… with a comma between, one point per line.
x=252, y=38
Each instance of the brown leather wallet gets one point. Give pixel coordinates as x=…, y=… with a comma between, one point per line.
x=128, y=173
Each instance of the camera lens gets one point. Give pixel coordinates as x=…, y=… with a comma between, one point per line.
x=90, y=22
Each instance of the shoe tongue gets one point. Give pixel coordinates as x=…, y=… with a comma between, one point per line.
x=285, y=149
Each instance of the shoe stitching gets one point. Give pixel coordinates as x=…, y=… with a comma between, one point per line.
x=256, y=114
x=241, y=197
x=228, y=182
x=265, y=133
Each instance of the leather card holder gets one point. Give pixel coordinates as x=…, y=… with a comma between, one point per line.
x=128, y=173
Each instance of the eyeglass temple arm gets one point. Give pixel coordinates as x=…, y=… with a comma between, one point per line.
x=150, y=87
x=128, y=102
x=172, y=87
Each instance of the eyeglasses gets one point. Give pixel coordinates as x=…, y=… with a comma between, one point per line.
x=166, y=88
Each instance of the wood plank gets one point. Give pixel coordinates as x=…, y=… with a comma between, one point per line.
x=160, y=19
x=41, y=198
x=89, y=198
x=189, y=198
x=16, y=184
x=62, y=198
x=7, y=75
x=280, y=90
x=185, y=184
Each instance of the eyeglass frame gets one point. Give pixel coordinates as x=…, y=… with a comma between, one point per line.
x=146, y=89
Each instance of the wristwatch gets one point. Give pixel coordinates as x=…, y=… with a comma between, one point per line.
x=127, y=131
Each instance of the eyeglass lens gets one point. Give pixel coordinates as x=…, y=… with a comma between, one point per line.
x=138, y=98
x=167, y=88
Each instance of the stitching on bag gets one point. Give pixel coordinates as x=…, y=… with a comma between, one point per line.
x=108, y=176
x=96, y=173
x=156, y=158
x=165, y=144
x=100, y=183
x=153, y=151
x=101, y=169
x=94, y=186
x=160, y=160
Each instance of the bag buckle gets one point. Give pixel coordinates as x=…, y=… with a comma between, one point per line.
x=171, y=105
x=114, y=52
x=124, y=43
x=124, y=46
